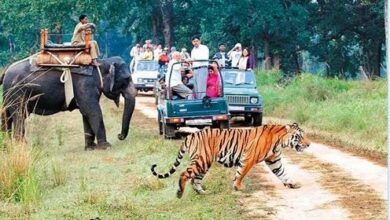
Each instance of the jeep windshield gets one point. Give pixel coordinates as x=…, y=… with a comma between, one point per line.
x=147, y=66
x=236, y=77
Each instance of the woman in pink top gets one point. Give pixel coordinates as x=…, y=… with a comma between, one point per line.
x=213, y=82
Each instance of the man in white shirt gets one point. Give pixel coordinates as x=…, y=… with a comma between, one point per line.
x=199, y=52
x=235, y=54
x=157, y=51
x=134, y=54
x=176, y=83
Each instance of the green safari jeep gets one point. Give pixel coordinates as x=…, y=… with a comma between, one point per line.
x=242, y=95
x=175, y=112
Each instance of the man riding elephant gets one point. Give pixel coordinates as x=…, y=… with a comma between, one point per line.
x=79, y=37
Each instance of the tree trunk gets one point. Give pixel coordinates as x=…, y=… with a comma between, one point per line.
x=267, y=56
x=297, y=68
x=155, y=24
x=372, y=56
x=276, y=62
x=58, y=33
x=167, y=13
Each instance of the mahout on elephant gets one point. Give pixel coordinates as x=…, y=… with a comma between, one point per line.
x=28, y=89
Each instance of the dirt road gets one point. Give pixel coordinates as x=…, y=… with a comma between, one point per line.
x=335, y=184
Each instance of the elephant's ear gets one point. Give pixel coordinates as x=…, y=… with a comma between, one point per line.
x=124, y=71
x=111, y=75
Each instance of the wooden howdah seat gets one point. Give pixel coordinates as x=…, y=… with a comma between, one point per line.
x=62, y=55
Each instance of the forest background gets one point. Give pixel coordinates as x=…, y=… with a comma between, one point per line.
x=343, y=38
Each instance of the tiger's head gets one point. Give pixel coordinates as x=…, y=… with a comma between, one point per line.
x=296, y=138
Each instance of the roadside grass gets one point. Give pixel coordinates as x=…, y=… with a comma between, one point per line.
x=351, y=113
x=117, y=183
x=18, y=173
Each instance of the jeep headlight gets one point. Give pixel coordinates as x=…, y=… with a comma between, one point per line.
x=254, y=100
x=140, y=80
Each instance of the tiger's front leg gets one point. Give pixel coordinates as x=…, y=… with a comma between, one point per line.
x=277, y=168
x=240, y=174
x=194, y=173
x=197, y=184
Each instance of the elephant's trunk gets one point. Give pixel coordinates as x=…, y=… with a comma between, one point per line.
x=129, y=96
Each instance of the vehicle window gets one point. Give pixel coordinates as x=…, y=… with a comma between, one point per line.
x=147, y=66
x=238, y=77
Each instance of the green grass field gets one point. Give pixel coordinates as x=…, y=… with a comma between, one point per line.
x=349, y=113
x=70, y=183
x=52, y=177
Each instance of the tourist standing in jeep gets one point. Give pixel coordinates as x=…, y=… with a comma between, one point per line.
x=199, y=52
x=221, y=56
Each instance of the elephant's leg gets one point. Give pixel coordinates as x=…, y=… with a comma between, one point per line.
x=18, y=120
x=6, y=121
x=89, y=135
x=93, y=114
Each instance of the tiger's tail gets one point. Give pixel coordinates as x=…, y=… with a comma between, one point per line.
x=182, y=151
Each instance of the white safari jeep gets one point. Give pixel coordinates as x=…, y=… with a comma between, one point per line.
x=145, y=74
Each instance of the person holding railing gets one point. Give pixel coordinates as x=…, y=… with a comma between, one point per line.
x=213, y=89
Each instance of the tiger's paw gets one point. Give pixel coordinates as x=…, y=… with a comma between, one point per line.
x=293, y=185
x=238, y=187
x=202, y=192
x=179, y=194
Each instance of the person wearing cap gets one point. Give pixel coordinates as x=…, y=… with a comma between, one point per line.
x=199, y=52
x=184, y=54
x=234, y=55
x=173, y=49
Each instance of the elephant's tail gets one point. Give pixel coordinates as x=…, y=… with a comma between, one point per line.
x=2, y=78
x=3, y=74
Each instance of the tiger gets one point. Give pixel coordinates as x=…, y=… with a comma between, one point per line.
x=239, y=147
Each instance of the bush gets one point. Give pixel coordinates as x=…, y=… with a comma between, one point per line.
x=18, y=177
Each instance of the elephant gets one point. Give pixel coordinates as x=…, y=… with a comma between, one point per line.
x=42, y=93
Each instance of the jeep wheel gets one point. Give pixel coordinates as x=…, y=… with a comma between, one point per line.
x=220, y=124
x=224, y=124
x=257, y=119
x=248, y=119
x=160, y=125
x=168, y=131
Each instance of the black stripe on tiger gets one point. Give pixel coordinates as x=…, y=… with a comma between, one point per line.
x=179, y=157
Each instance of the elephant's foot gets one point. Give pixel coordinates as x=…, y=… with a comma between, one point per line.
x=90, y=146
x=104, y=145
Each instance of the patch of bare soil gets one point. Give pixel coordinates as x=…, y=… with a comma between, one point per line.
x=377, y=158
x=361, y=200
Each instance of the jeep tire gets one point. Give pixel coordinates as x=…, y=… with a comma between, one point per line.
x=257, y=119
x=160, y=124
x=168, y=131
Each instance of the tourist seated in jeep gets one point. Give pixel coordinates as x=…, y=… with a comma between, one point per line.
x=176, y=83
